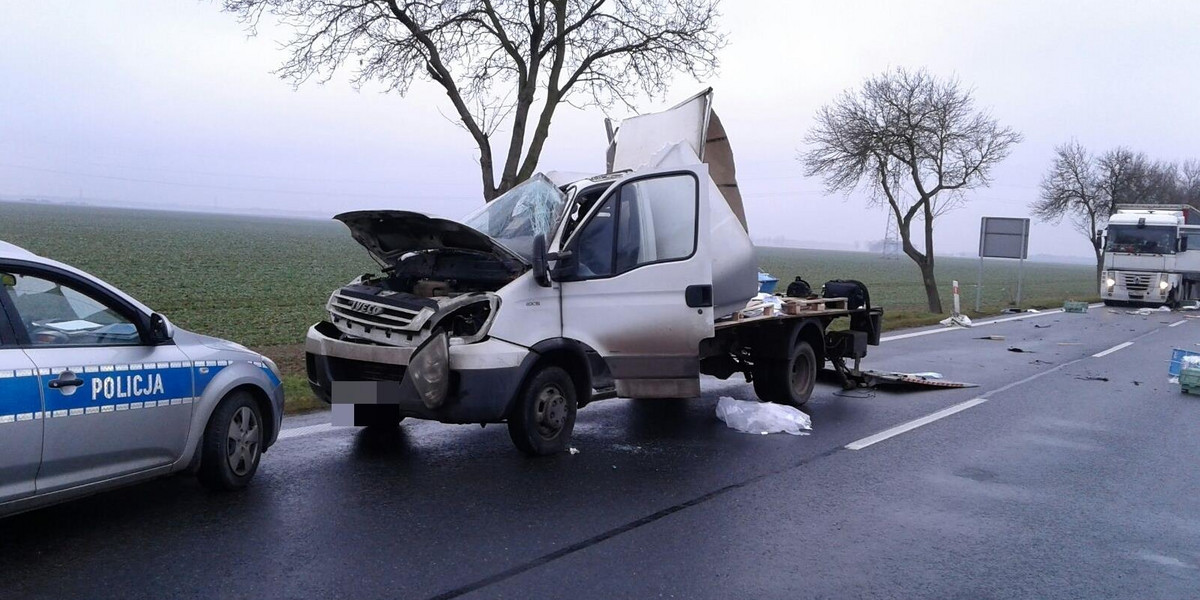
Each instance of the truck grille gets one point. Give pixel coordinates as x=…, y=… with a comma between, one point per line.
x=366, y=313
x=1137, y=283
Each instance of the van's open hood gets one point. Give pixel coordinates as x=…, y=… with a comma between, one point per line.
x=390, y=234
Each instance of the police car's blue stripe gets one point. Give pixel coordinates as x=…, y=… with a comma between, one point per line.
x=19, y=395
x=270, y=375
x=109, y=388
x=105, y=388
x=205, y=375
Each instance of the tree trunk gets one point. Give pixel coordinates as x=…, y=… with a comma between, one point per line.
x=931, y=288
x=1099, y=266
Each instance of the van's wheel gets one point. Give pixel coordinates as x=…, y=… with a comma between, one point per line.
x=789, y=381
x=232, y=444
x=543, y=416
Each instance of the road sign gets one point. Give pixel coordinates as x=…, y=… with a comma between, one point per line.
x=1002, y=237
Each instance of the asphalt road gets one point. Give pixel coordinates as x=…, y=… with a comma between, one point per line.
x=1045, y=481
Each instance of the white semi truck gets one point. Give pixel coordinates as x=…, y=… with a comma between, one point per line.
x=1151, y=255
x=569, y=289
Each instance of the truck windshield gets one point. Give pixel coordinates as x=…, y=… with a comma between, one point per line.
x=1144, y=240
x=521, y=213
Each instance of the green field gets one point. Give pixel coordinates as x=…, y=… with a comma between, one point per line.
x=262, y=281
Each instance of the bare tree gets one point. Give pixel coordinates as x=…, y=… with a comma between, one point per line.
x=1077, y=186
x=506, y=65
x=1121, y=175
x=916, y=143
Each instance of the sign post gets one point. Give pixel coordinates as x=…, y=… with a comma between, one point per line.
x=1002, y=237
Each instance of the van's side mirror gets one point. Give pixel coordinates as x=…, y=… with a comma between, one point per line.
x=161, y=330
x=541, y=268
x=565, y=265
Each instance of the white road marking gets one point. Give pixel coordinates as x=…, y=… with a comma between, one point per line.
x=296, y=432
x=904, y=336
x=1120, y=346
x=911, y=425
x=1177, y=323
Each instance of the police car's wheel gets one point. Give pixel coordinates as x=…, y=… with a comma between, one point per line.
x=232, y=443
x=543, y=418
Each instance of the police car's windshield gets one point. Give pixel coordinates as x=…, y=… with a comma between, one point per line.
x=1141, y=240
x=520, y=214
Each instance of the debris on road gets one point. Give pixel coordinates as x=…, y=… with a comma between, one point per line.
x=927, y=375
x=1146, y=312
x=957, y=321
x=1071, y=306
x=1181, y=359
x=762, y=417
x=879, y=378
x=1038, y=361
x=573, y=450
x=1036, y=326
x=1091, y=378
x=1019, y=350
x=998, y=338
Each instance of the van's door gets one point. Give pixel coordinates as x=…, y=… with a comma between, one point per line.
x=637, y=286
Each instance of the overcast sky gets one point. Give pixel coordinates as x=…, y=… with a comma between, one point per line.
x=170, y=103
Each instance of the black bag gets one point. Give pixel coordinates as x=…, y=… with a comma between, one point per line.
x=854, y=292
x=799, y=289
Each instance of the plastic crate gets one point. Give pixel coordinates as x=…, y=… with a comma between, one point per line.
x=1189, y=380
x=1075, y=307
x=766, y=283
x=1177, y=361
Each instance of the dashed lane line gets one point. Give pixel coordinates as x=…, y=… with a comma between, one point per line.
x=1120, y=346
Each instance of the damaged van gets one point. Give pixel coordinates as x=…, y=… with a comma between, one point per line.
x=564, y=290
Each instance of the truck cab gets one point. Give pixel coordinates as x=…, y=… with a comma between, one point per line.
x=1147, y=256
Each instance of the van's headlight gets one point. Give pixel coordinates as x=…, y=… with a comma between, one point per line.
x=1163, y=285
x=429, y=370
x=1110, y=282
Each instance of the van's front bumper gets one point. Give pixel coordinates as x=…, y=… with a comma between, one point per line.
x=484, y=378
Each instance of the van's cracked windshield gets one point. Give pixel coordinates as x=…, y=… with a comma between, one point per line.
x=776, y=299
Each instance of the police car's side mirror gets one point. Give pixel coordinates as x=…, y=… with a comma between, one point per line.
x=161, y=329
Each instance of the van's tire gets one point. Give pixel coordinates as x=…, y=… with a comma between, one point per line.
x=787, y=381
x=233, y=443
x=543, y=416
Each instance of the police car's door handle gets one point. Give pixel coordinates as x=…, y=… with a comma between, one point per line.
x=62, y=383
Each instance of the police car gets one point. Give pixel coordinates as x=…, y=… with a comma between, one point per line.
x=97, y=390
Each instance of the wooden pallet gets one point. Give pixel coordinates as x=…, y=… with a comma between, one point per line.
x=795, y=306
x=811, y=308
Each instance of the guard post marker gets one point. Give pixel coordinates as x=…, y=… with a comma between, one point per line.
x=957, y=304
